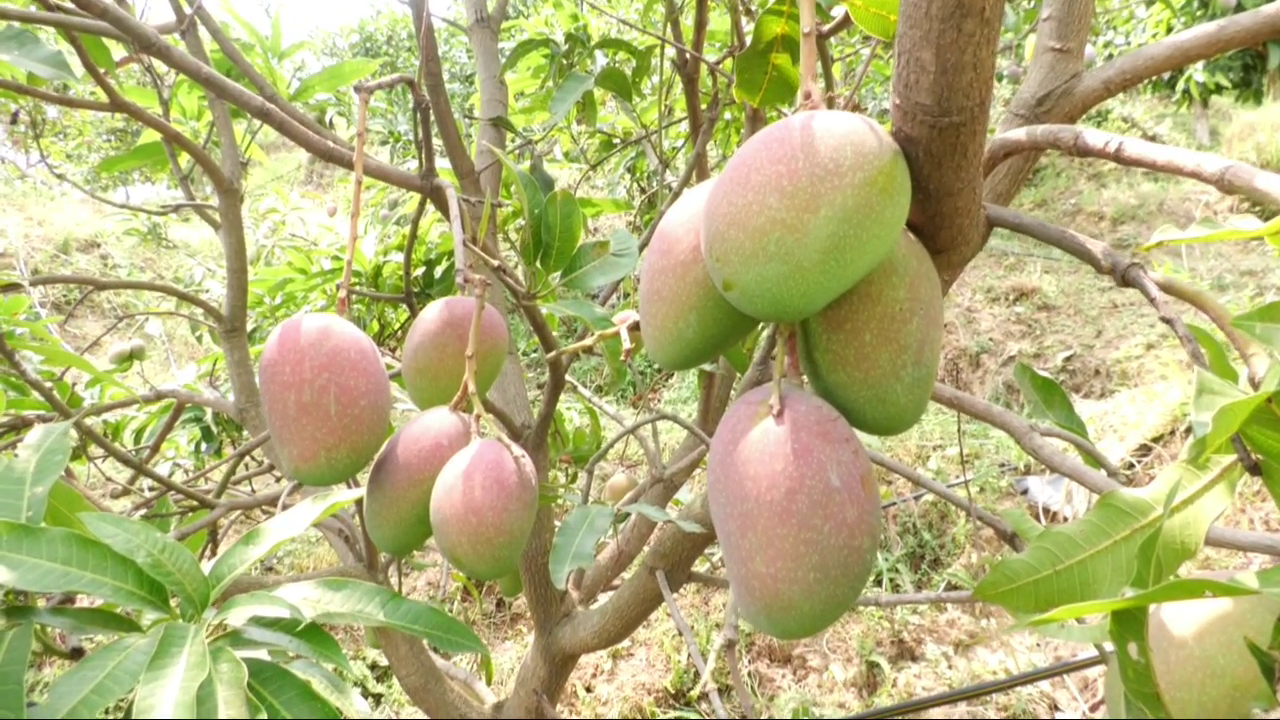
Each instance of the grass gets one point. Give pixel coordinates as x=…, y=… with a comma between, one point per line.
x=1018, y=302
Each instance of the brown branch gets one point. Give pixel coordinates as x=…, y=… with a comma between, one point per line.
x=72, y=23
x=1255, y=356
x=1226, y=175
x=53, y=98
x=99, y=284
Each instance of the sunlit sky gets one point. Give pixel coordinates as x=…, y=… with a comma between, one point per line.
x=298, y=18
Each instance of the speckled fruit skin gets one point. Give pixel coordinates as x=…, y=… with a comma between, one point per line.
x=326, y=397
x=397, y=501
x=807, y=207
x=435, y=350
x=684, y=320
x=796, y=511
x=482, y=510
x=1202, y=666
x=874, y=352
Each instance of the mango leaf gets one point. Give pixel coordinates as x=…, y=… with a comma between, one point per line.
x=1219, y=409
x=1022, y=523
x=101, y=678
x=24, y=50
x=73, y=620
x=575, y=542
x=1261, y=323
x=25, y=480
x=1046, y=400
x=526, y=47
x=877, y=18
x=298, y=637
x=596, y=317
x=560, y=230
x=241, y=609
x=99, y=52
x=331, y=687
x=660, y=515
x=50, y=560
x=285, y=695
x=343, y=601
x=1217, y=356
x=65, y=505
x=568, y=93
x=1093, y=633
x=1129, y=633
x=265, y=538
x=594, y=207
x=766, y=73
x=1204, y=490
x=329, y=80
x=170, y=683
x=63, y=358
x=1205, y=230
x=15, y=653
x=162, y=557
x=223, y=695
x=1175, y=590
x=143, y=156
x=612, y=79
x=597, y=264
x=195, y=542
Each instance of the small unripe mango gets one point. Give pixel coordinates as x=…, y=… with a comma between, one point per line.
x=119, y=353
x=138, y=349
x=618, y=486
x=435, y=350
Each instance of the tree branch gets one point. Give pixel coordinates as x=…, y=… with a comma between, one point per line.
x=99, y=284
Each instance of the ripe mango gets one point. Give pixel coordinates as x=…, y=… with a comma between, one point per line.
x=684, y=320
x=874, y=352
x=483, y=508
x=1201, y=663
x=795, y=508
x=433, y=364
x=326, y=397
x=397, y=501
x=803, y=210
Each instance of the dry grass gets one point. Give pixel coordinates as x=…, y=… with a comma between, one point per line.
x=1018, y=302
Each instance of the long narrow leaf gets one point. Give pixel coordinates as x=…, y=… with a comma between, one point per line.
x=162, y=557
x=103, y=677
x=168, y=686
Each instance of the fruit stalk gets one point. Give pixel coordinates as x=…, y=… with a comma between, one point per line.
x=786, y=333
x=810, y=98
x=362, y=133
x=479, y=285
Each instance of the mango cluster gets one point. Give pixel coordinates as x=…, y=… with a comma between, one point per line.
x=804, y=227
x=327, y=400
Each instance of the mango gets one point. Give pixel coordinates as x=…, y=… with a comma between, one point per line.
x=482, y=509
x=795, y=508
x=397, y=501
x=874, y=352
x=1201, y=663
x=433, y=364
x=803, y=210
x=326, y=397
x=684, y=320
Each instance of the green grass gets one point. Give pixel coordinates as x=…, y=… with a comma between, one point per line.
x=1018, y=302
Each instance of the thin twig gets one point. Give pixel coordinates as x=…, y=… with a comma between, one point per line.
x=692, y=641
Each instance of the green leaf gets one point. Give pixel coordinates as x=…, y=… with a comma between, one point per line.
x=331, y=687
x=597, y=264
x=766, y=73
x=65, y=505
x=50, y=560
x=596, y=317
x=1204, y=491
x=265, y=538
x=285, y=695
x=15, y=653
x=1261, y=323
x=877, y=18
x=73, y=620
x=162, y=557
x=329, y=79
x=660, y=515
x=594, y=207
x=526, y=47
x=99, y=52
x=1046, y=400
x=614, y=80
x=568, y=93
x=62, y=358
x=1169, y=591
x=1205, y=230
x=23, y=49
x=1215, y=354
x=1022, y=523
x=298, y=637
x=25, y=481
x=1219, y=409
x=223, y=694
x=143, y=156
x=195, y=542
x=575, y=542
x=170, y=683
x=343, y=601
x=1129, y=632
x=560, y=223
x=101, y=678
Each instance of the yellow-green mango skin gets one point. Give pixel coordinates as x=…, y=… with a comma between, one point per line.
x=874, y=352
x=804, y=209
x=684, y=320
x=434, y=360
x=397, y=501
x=796, y=511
